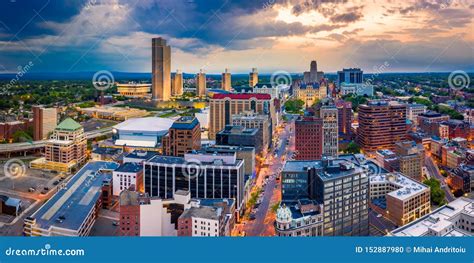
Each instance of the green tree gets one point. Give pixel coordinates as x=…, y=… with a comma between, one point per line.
x=294, y=105
x=437, y=194
x=419, y=100
x=275, y=207
x=22, y=136
x=353, y=148
x=355, y=100
x=451, y=112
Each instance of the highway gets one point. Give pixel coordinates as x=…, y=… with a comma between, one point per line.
x=26, y=146
x=434, y=171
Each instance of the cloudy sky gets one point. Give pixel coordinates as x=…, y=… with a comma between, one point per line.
x=115, y=35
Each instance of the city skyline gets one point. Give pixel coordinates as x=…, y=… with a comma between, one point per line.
x=269, y=35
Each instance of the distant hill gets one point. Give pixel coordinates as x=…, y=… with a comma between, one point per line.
x=88, y=75
x=141, y=76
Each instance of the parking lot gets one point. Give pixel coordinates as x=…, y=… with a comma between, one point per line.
x=30, y=181
x=106, y=224
x=28, y=186
x=25, y=204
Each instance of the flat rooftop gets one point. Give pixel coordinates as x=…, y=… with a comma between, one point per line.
x=406, y=186
x=439, y=220
x=385, y=152
x=295, y=208
x=151, y=124
x=207, y=212
x=185, y=123
x=69, y=207
x=335, y=168
x=300, y=166
x=129, y=168
x=142, y=155
x=340, y=168
x=104, y=150
x=214, y=201
x=162, y=159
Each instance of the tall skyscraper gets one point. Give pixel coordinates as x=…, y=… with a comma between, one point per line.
x=226, y=80
x=329, y=115
x=313, y=75
x=161, y=69
x=44, y=120
x=350, y=76
x=253, y=77
x=381, y=125
x=201, y=84
x=177, y=84
x=308, y=138
x=313, y=71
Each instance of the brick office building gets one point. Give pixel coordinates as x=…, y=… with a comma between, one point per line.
x=308, y=138
x=381, y=125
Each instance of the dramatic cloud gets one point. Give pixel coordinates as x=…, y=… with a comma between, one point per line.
x=240, y=34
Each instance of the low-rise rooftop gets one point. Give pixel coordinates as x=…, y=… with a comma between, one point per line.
x=71, y=205
x=441, y=222
x=129, y=168
x=406, y=187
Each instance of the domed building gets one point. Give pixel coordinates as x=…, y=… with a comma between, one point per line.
x=283, y=218
x=303, y=218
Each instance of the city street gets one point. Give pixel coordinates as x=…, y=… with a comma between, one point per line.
x=434, y=171
x=262, y=225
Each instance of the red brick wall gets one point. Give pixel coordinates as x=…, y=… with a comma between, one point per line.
x=129, y=221
x=308, y=138
x=185, y=227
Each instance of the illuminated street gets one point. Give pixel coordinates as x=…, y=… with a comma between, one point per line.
x=262, y=225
